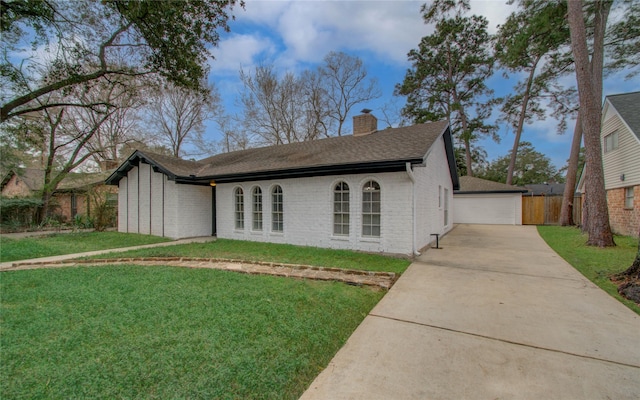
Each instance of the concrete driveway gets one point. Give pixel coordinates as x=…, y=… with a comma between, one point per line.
x=495, y=314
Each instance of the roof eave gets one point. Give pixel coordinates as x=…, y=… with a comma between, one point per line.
x=487, y=191
x=359, y=168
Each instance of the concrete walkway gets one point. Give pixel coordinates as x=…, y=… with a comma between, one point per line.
x=495, y=314
x=53, y=259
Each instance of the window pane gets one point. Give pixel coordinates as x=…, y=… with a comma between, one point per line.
x=375, y=219
x=239, y=208
x=366, y=230
x=366, y=219
x=371, y=209
x=257, y=209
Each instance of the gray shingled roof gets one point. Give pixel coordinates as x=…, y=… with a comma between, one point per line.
x=382, y=148
x=34, y=179
x=408, y=143
x=471, y=184
x=628, y=106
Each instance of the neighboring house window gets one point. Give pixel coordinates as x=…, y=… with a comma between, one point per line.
x=446, y=206
x=341, y=209
x=277, y=210
x=371, y=209
x=112, y=200
x=611, y=141
x=74, y=205
x=239, y=208
x=257, y=208
x=628, y=197
x=439, y=196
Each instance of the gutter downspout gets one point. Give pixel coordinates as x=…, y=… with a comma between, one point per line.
x=412, y=177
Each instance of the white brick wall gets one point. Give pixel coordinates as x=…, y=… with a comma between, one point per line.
x=431, y=182
x=308, y=212
x=193, y=211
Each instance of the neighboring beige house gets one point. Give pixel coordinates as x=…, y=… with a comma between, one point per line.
x=71, y=198
x=620, y=137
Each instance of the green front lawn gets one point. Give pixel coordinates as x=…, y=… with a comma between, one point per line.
x=270, y=252
x=161, y=332
x=594, y=263
x=68, y=243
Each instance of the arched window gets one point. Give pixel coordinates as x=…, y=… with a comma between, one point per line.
x=371, y=209
x=257, y=208
x=277, y=210
x=239, y=208
x=341, y=209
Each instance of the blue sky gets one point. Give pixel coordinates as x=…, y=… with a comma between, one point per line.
x=296, y=35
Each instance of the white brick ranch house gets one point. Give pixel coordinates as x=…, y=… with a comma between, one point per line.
x=376, y=191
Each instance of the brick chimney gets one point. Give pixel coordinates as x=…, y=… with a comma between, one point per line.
x=364, y=123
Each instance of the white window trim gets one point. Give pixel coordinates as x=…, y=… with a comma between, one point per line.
x=632, y=197
x=366, y=238
x=271, y=192
x=333, y=213
x=613, y=147
x=244, y=209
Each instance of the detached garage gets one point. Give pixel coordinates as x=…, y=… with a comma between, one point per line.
x=486, y=202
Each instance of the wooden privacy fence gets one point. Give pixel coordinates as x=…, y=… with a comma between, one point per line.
x=545, y=210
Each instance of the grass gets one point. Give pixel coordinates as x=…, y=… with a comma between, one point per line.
x=68, y=243
x=284, y=253
x=594, y=263
x=161, y=332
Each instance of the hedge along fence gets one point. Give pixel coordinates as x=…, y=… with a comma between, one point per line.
x=18, y=210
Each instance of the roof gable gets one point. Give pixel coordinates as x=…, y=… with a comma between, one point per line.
x=627, y=106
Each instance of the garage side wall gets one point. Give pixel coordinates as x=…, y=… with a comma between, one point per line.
x=308, y=212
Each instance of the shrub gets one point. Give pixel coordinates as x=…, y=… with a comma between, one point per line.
x=18, y=211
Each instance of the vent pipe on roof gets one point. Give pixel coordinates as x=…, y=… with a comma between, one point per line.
x=364, y=123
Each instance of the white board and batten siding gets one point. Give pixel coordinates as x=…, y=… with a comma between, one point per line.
x=149, y=203
x=488, y=208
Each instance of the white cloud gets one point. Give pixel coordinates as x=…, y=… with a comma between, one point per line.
x=240, y=50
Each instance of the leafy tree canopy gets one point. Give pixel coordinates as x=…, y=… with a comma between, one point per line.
x=532, y=167
x=84, y=41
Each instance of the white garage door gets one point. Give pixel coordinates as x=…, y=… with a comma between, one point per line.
x=498, y=209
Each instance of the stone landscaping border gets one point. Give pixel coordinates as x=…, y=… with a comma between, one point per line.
x=382, y=280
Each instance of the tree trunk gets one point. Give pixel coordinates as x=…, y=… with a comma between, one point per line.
x=634, y=270
x=598, y=226
x=566, y=212
x=43, y=211
x=523, y=114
